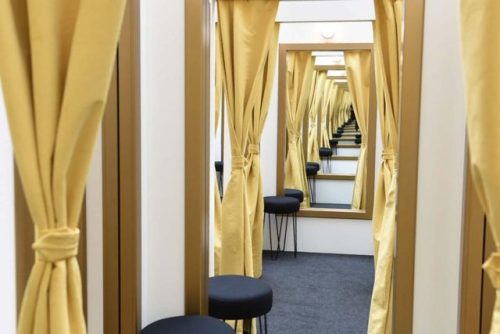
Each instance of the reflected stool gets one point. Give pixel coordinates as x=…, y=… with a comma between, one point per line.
x=191, y=324
x=233, y=297
x=219, y=169
x=333, y=144
x=284, y=207
x=312, y=169
x=325, y=153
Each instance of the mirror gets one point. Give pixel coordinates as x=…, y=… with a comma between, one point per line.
x=326, y=135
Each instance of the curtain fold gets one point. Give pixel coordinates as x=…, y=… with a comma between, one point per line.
x=298, y=84
x=481, y=58
x=255, y=197
x=312, y=139
x=387, y=46
x=55, y=78
x=358, y=78
x=324, y=139
x=245, y=30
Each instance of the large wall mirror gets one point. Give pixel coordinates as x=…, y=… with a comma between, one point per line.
x=326, y=128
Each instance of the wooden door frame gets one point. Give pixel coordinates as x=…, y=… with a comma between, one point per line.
x=121, y=193
x=197, y=44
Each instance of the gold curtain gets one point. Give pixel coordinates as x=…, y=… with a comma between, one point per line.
x=56, y=71
x=324, y=140
x=312, y=141
x=358, y=79
x=255, y=198
x=218, y=108
x=387, y=36
x=245, y=30
x=481, y=57
x=298, y=84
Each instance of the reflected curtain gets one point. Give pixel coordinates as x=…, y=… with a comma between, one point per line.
x=56, y=73
x=358, y=78
x=312, y=140
x=218, y=108
x=481, y=57
x=298, y=84
x=255, y=198
x=324, y=139
x=245, y=29
x=387, y=38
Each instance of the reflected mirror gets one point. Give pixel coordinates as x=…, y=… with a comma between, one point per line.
x=326, y=135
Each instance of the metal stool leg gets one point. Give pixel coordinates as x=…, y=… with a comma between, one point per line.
x=265, y=322
x=294, y=221
x=286, y=232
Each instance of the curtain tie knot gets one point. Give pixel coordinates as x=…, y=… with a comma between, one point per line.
x=57, y=244
x=253, y=149
x=492, y=267
x=388, y=154
x=238, y=162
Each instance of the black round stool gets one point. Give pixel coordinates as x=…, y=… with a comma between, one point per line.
x=281, y=206
x=190, y=324
x=333, y=144
x=234, y=297
x=325, y=153
x=295, y=193
x=219, y=169
x=312, y=169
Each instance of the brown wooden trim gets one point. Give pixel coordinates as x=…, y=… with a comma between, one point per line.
x=335, y=177
x=488, y=292
x=121, y=185
x=281, y=149
x=330, y=67
x=408, y=166
x=337, y=214
x=344, y=158
x=129, y=150
x=472, y=258
x=197, y=132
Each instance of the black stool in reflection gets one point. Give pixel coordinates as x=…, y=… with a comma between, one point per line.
x=325, y=153
x=333, y=144
x=284, y=207
x=219, y=169
x=233, y=297
x=312, y=169
x=191, y=324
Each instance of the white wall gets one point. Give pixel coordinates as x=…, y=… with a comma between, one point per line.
x=7, y=237
x=441, y=174
x=162, y=97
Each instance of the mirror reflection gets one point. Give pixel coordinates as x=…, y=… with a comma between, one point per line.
x=327, y=126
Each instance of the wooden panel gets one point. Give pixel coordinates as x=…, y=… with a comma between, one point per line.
x=411, y=79
x=488, y=293
x=197, y=155
x=335, y=177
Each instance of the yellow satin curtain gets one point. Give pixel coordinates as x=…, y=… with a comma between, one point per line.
x=255, y=197
x=481, y=57
x=324, y=139
x=218, y=107
x=55, y=72
x=298, y=84
x=387, y=36
x=358, y=78
x=312, y=141
x=244, y=34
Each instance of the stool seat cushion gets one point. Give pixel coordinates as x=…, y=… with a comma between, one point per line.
x=334, y=142
x=232, y=297
x=295, y=193
x=219, y=166
x=281, y=204
x=325, y=152
x=311, y=170
x=192, y=324
x=314, y=164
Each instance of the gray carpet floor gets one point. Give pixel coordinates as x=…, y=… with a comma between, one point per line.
x=319, y=293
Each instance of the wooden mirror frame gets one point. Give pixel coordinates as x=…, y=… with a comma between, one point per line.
x=197, y=126
x=372, y=120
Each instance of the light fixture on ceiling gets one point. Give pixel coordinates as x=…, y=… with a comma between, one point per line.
x=328, y=31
